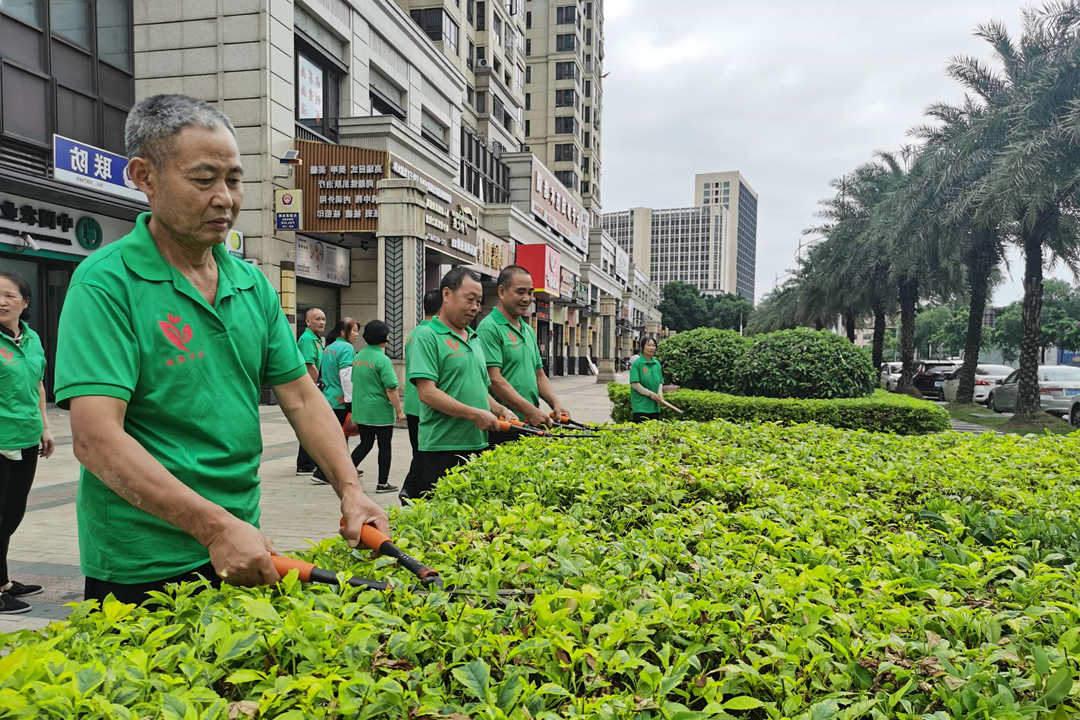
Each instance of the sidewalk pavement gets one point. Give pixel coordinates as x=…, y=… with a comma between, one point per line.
x=45, y=548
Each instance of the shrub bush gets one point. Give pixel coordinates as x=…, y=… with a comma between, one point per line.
x=704, y=359
x=682, y=570
x=881, y=412
x=804, y=363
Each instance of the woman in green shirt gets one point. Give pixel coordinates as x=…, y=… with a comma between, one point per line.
x=376, y=404
x=24, y=427
x=646, y=384
x=335, y=369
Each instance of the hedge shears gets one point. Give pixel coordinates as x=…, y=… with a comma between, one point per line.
x=520, y=427
x=373, y=539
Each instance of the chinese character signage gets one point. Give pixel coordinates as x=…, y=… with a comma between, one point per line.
x=91, y=167
x=338, y=183
x=56, y=228
x=288, y=207
x=494, y=252
x=316, y=260
x=450, y=221
x=553, y=204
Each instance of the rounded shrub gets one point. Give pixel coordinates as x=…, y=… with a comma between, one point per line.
x=804, y=363
x=702, y=359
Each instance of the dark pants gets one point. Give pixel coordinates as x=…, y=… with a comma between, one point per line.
x=304, y=463
x=16, y=477
x=341, y=420
x=497, y=438
x=139, y=593
x=642, y=417
x=432, y=466
x=413, y=421
x=368, y=435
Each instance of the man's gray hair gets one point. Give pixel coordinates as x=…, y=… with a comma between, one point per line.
x=155, y=121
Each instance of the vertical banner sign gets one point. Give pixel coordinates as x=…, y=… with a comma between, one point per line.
x=337, y=184
x=288, y=208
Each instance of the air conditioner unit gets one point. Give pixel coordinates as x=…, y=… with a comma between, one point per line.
x=482, y=62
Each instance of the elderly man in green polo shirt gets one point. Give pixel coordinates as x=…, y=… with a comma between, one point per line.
x=512, y=353
x=451, y=380
x=311, y=347
x=164, y=342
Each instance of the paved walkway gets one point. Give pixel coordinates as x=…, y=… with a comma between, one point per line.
x=45, y=549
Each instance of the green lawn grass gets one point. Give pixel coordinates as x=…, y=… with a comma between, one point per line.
x=980, y=415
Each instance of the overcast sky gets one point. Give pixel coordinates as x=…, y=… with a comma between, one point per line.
x=790, y=92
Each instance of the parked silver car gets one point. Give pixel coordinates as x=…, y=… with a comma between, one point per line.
x=986, y=377
x=889, y=375
x=1059, y=392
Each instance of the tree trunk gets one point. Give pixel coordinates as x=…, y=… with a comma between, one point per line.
x=909, y=296
x=849, y=325
x=1027, y=395
x=981, y=260
x=879, y=334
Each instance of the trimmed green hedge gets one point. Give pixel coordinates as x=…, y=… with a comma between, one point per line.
x=684, y=571
x=804, y=363
x=703, y=358
x=880, y=412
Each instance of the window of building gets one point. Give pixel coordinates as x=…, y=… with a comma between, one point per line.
x=588, y=88
x=565, y=125
x=588, y=36
x=566, y=43
x=481, y=56
x=481, y=16
x=481, y=102
x=470, y=11
x=587, y=140
x=528, y=74
x=565, y=70
x=470, y=59
x=528, y=47
x=70, y=19
x=528, y=128
x=497, y=25
x=565, y=98
x=29, y=11
x=114, y=32
x=528, y=101
x=528, y=20
x=588, y=10
x=568, y=178
x=433, y=130
x=438, y=26
x=565, y=151
x=566, y=15
x=482, y=173
x=385, y=96
x=318, y=87
x=587, y=114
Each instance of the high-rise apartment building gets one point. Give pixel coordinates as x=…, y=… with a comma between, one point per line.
x=730, y=191
x=564, y=53
x=711, y=246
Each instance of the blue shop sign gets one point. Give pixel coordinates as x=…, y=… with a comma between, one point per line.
x=91, y=167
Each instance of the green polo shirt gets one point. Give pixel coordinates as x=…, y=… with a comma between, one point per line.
x=22, y=368
x=372, y=375
x=135, y=329
x=311, y=347
x=650, y=375
x=412, y=400
x=335, y=358
x=514, y=351
x=457, y=367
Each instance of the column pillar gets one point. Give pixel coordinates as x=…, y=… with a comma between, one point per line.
x=401, y=262
x=606, y=364
x=584, y=330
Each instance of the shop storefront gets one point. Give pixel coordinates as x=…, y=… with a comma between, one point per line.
x=322, y=270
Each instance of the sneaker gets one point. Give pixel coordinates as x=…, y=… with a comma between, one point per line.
x=17, y=589
x=386, y=488
x=12, y=606
x=316, y=480
x=305, y=471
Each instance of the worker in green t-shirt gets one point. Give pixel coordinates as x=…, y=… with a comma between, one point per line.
x=646, y=384
x=376, y=403
x=165, y=341
x=512, y=354
x=335, y=369
x=451, y=379
x=311, y=347
x=432, y=303
x=24, y=427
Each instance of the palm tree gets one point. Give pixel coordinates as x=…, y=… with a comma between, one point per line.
x=1034, y=179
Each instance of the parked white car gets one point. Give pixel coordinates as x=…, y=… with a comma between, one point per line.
x=986, y=377
x=889, y=375
x=1059, y=392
